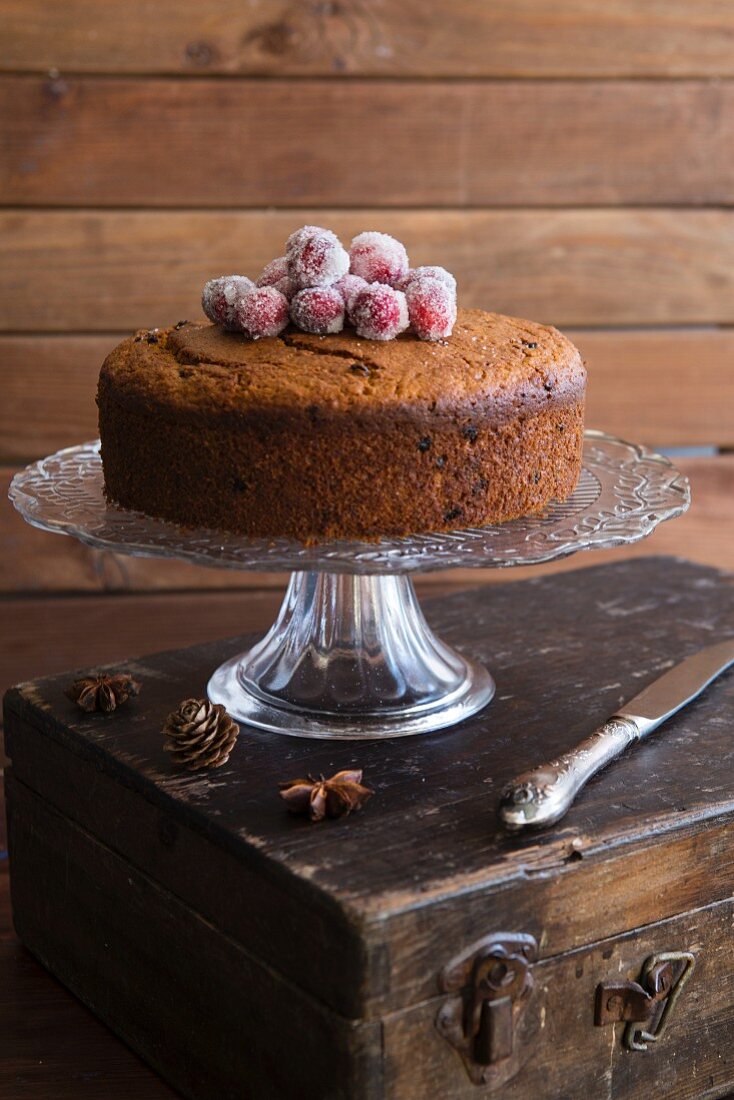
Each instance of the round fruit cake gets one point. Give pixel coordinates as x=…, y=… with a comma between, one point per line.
x=334, y=436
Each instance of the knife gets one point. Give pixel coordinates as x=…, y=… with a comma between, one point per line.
x=542, y=796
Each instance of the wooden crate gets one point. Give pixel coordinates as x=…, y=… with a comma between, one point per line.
x=243, y=952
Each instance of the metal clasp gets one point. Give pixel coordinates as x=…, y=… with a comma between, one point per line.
x=649, y=1001
x=491, y=983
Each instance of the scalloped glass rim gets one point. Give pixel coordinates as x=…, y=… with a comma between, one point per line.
x=624, y=492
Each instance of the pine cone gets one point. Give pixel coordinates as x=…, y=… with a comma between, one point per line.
x=200, y=734
x=102, y=692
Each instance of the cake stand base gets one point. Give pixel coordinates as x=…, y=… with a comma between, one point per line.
x=351, y=657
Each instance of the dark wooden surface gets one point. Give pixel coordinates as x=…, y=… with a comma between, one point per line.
x=195, y=1003
x=566, y=651
x=573, y=1060
x=213, y=1019
x=51, y=1046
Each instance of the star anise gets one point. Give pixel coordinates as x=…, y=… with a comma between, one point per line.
x=103, y=692
x=320, y=798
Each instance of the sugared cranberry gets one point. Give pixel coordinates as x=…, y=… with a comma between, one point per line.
x=349, y=286
x=316, y=258
x=273, y=272
x=262, y=312
x=431, y=308
x=301, y=234
x=220, y=296
x=439, y=273
x=379, y=312
x=318, y=309
x=378, y=258
x=286, y=286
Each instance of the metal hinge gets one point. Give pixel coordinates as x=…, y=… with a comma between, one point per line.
x=649, y=1001
x=491, y=984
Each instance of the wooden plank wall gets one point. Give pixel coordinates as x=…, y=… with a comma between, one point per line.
x=572, y=162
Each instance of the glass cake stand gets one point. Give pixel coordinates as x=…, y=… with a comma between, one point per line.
x=350, y=654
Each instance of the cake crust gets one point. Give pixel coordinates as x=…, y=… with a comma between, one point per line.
x=334, y=436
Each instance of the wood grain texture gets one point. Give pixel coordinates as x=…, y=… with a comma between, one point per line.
x=204, y=1013
x=425, y=865
x=670, y=388
x=513, y=143
x=398, y=1057
x=663, y=888
x=113, y=271
x=116, y=628
x=415, y=37
x=37, y=563
x=700, y=1026
x=49, y=386
x=112, y=627
x=51, y=1044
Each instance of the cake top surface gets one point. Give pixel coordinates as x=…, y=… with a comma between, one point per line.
x=491, y=361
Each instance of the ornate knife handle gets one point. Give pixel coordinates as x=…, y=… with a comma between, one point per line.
x=542, y=796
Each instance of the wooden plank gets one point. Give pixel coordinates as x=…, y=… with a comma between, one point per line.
x=66, y=1054
x=37, y=562
x=670, y=388
x=3, y=836
x=503, y=142
x=415, y=37
x=685, y=375
x=77, y=632
x=112, y=270
x=49, y=386
x=7, y=932
x=58, y=1047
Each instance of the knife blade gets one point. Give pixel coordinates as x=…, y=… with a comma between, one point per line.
x=542, y=796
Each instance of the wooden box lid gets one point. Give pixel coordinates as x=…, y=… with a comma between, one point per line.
x=364, y=912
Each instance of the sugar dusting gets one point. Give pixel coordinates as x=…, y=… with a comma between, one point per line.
x=378, y=258
x=372, y=287
x=379, y=312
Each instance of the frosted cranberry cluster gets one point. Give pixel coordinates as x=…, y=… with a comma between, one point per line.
x=318, y=286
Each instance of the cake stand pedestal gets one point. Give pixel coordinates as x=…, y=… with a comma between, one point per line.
x=350, y=654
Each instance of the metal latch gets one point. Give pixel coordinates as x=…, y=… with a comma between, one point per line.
x=649, y=1001
x=491, y=984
